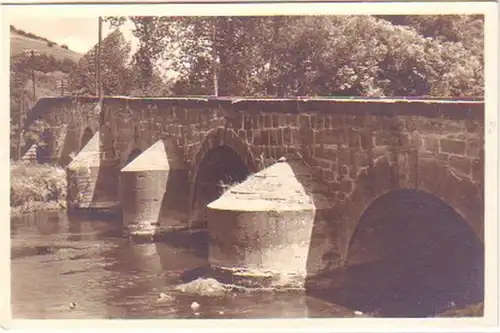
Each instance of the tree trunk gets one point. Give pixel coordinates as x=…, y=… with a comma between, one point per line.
x=214, y=59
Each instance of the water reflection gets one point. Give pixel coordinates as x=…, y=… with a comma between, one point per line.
x=86, y=261
x=42, y=223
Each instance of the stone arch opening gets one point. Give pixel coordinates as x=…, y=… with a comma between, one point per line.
x=412, y=255
x=86, y=136
x=220, y=167
x=133, y=155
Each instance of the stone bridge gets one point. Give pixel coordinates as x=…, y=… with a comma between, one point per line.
x=367, y=159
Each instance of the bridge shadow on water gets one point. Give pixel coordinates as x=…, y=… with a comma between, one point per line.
x=411, y=255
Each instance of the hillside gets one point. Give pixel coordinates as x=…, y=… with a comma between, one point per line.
x=19, y=43
x=47, y=82
x=52, y=66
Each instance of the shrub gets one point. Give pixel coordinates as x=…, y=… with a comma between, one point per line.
x=67, y=65
x=34, y=185
x=50, y=44
x=64, y=46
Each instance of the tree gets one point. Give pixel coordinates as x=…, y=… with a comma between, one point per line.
x=334, y=55
x=316, y=55
x=20, y=98
x=151, y=33
x=21, y=101
x=115, y=51
x=466, y=29
x=234, y=47
x=156, y=86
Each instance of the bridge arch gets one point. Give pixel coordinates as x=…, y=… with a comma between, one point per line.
x=133, y=150
x=86, y=136
x=412, y=254
x=133, y=155
x=69, y=121
x=435, y=178
x=437, y=209
x=223, y=159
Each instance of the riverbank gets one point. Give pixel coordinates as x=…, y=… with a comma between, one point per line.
x=475, y=310
x=36, y=187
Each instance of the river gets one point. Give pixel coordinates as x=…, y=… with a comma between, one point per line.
x=75, y=267
x=58, y=260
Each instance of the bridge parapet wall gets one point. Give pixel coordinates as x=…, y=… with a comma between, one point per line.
x=273, y=128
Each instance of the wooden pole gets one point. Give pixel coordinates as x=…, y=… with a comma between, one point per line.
x=33, y=73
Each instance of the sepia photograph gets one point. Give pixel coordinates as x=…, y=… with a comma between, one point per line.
x=248, y=166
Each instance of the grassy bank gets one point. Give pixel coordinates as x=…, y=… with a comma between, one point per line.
x=36, y=187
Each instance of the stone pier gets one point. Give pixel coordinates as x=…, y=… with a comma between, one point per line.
x=147, y=207
x=260, y=230
x=92, y=179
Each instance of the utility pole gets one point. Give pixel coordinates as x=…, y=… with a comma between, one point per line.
x=214, y=59
x=33, y=73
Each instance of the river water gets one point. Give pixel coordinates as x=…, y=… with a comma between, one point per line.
x=58, y=260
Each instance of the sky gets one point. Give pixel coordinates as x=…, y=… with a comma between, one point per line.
x=80, y=34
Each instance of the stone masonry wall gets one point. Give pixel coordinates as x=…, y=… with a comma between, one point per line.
x=362, y=150
x=137, y=123
x=68, y=118
x=358, y=149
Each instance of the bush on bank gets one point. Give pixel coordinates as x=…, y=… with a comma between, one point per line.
x=36, y=187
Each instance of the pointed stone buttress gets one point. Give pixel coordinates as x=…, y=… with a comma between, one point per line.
x=260, y=230
x=143, y=190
